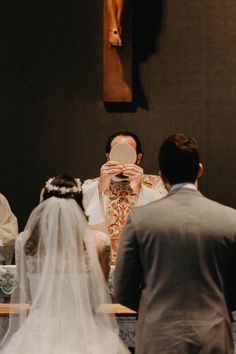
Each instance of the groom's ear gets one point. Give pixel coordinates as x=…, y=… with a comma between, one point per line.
x=107, y=157
x=200, y=170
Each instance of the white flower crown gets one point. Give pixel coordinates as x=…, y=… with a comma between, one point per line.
x=63, y=190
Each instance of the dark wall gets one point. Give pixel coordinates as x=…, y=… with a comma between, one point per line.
x=52, y=116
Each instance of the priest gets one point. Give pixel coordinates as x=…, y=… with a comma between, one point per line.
x=121, y=186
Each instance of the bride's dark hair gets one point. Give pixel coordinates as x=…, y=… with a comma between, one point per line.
x=65, y=187
x=63, y=181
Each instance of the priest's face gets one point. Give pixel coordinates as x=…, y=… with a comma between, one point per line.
x=125, y=140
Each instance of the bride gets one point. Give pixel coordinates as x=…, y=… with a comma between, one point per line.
x=61, y=280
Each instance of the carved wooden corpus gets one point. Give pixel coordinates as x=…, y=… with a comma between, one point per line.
x=117, y=60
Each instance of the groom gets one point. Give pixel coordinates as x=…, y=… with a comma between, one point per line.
x=179, y=270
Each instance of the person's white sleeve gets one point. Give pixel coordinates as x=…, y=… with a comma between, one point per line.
x=21, y=266
x=41, y=195
x=91, y=202
x=8, y=229
x=2, y=255
x=148, y=195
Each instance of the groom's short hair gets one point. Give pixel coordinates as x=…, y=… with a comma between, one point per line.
x=179, y=159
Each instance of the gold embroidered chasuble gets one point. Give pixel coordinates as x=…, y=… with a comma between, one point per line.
x=120, y=200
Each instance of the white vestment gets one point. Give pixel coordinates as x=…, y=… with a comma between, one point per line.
x=107, y=211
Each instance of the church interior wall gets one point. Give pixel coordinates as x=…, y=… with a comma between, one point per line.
x=53, y=119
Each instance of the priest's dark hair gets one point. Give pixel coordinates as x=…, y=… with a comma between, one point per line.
x=139, y=149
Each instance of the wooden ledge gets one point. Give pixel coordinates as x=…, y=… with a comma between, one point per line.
x=115, y=309
x=5, y=309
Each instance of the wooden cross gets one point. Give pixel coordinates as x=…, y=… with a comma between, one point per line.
x=117, y=56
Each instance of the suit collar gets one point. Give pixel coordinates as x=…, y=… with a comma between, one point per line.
x=183, y=185
x=184, y=191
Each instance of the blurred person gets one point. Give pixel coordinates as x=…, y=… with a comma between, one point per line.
x=8, y=231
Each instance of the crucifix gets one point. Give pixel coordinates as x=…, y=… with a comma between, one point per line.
x=117, y=51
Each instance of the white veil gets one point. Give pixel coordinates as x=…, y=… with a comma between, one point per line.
x=64, y=285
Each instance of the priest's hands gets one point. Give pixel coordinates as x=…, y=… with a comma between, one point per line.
x=135, y=174
x=109, y=170
x=113, y=168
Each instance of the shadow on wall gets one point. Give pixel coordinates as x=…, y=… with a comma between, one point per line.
x=147, y=20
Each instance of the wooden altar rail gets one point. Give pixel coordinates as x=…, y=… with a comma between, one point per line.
x=115, y=309
x=6, y=309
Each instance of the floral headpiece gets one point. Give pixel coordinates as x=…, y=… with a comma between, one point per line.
x=63, y=190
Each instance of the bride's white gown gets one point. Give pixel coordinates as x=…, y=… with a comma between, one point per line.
x=65, y=289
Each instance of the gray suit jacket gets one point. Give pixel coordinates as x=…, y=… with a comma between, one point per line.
x=177, y=265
